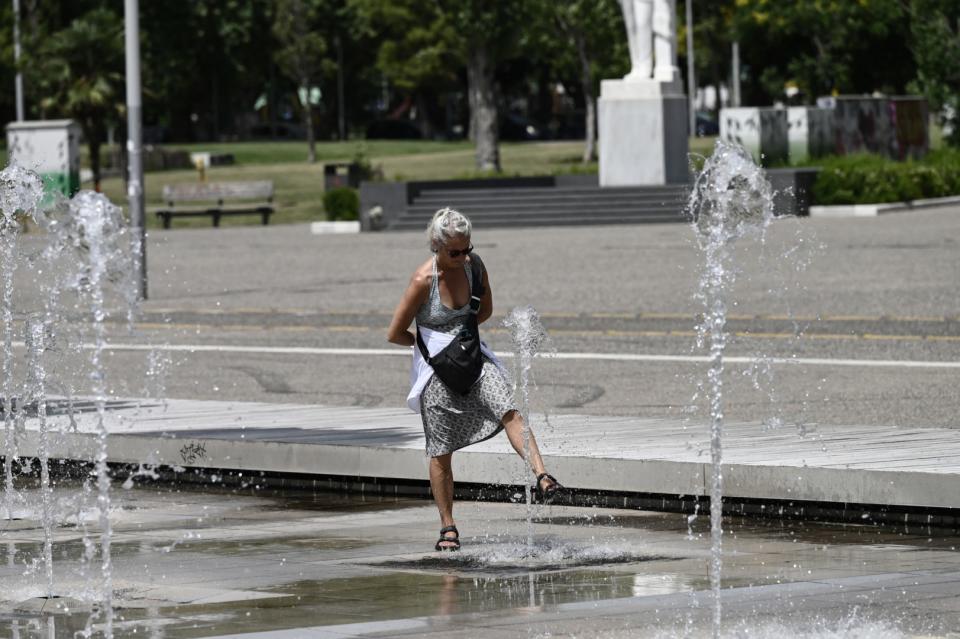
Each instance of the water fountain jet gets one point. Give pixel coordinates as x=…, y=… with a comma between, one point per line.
x=21, y=192
x=528, y=336
x=731, y=199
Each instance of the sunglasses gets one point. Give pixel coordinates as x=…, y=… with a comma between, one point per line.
x=458, y=253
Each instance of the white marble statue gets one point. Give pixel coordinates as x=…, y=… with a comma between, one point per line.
x=651, y=36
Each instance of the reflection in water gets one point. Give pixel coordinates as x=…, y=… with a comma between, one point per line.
x=448, y=601
x=645, y=585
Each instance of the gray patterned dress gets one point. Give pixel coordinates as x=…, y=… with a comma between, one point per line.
x=451, y=420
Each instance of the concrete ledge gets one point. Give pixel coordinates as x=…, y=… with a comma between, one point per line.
x=873, y=210
x=605, y=458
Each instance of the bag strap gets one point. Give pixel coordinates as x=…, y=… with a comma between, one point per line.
x=476, y=296
x=476, y=289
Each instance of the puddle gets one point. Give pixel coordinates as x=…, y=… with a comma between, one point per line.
x=794, y=531
x=267, y=546
x=511, y=558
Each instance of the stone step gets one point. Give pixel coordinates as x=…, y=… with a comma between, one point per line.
x=579, y=205
x=553, y=192
x=586, y=210
x=499, y=206
x=417, y=224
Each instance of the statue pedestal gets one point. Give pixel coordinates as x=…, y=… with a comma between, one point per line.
x=643, y=133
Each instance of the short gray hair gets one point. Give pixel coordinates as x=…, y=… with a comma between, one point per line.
x=446, y=225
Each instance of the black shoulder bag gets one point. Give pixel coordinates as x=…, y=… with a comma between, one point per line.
x=459, y=364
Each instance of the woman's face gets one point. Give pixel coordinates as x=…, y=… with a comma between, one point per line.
x=454, y=251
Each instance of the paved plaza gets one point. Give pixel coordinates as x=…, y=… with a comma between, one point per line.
x=269, y=353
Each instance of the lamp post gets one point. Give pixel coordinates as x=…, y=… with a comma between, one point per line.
x=691, y=80
x=18, y=81
x=735, y=74
x=131, y=21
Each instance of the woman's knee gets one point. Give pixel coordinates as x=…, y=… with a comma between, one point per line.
x=512, y=417
x=442, y=462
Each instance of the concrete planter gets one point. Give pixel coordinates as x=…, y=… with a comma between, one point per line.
x=761, y=131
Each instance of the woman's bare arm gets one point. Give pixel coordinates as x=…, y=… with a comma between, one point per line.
x=413, y=298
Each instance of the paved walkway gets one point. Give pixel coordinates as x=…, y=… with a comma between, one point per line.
x=838, y=464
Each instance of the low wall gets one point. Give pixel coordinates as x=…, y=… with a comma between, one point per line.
x=382, y=202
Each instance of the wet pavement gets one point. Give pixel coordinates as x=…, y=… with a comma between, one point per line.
x=223, y=563
x=863, y=329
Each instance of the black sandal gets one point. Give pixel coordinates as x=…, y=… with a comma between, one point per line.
x=448, y=540
x=548, y=494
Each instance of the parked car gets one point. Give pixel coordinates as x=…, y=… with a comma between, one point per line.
x=706, y=124
x=516, y=127
x=393, y=130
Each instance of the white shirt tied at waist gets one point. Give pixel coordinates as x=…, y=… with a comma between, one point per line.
x=421, y=371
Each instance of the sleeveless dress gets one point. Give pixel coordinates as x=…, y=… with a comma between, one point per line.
x=451, y=420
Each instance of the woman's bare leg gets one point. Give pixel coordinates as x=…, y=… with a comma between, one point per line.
x=513, y=424
x=441, y=483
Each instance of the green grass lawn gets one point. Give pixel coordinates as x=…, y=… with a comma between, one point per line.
x=296, y=151
x=299, y=186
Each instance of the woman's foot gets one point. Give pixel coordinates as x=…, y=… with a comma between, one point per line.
x=449, y=539
x=548, y=487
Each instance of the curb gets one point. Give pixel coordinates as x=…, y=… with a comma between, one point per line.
x=324, y=228
x=873, y=210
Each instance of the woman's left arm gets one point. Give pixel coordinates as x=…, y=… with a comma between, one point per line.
x=486, y=302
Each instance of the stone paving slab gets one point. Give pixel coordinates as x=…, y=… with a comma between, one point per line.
x=837, y=464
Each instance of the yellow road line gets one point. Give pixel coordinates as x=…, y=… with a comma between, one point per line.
x=301, y=312
x=787, y=318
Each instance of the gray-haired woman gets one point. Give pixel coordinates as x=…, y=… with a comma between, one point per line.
x=439, y=299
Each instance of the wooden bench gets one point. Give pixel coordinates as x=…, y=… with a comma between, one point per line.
x=217, y=199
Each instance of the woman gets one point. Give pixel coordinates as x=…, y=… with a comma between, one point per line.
x=438, y=297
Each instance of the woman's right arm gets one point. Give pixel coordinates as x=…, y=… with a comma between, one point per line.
x=413, y=298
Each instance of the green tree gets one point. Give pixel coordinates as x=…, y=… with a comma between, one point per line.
x=712, y=30
x=935, y=27
x=417, y=53
x=204, y=64
x=302, y=53
x=588, y=32
x=822, y=46
x=488, y=32
x=79, y=74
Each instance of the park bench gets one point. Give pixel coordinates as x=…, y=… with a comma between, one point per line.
x=216, y=199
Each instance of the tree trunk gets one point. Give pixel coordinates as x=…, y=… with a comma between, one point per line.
x=94, y=145
x=586, y=80
x=215, y=105
x=308, y=120
x=484, y=108
x=311, y=136
x=472, y=106
x=423, y=117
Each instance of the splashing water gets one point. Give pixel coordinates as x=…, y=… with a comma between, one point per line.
x=97, y=230
x=36, y=345
x=731, y=199
x=20, y=194
x=528, y=336
x=90, y=253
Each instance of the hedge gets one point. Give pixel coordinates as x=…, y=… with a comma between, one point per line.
x=868, y=179
x=342, y=204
